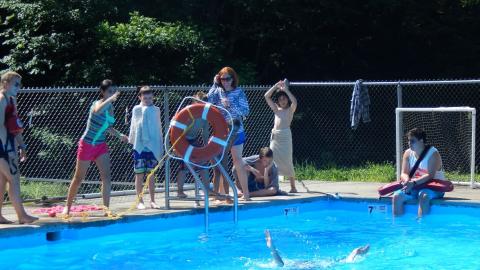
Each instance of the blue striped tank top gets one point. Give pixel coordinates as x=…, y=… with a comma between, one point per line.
x=97, y=125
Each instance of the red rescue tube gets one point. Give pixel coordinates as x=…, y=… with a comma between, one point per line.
x=434, y=184
x=215, y=144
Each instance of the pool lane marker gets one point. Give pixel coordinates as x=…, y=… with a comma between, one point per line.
x=291, y=211
x=377, y=208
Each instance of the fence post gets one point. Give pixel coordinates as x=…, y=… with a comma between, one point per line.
x=166, y=120
x=398, y=133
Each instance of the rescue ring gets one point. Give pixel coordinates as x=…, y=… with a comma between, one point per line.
x=216, y=142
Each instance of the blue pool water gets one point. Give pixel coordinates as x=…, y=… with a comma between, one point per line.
x=315, y=235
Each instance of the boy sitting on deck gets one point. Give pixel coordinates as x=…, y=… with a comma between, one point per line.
x=262, y=174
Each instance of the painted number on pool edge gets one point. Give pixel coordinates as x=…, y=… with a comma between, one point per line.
x=290, y=211
x=377, y=208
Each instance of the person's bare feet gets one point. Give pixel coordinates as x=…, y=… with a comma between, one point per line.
x=5, y=221
x=27, y=219
x=293, y=190
x=153, y=205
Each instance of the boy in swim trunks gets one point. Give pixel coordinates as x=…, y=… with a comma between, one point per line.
x=147, y=140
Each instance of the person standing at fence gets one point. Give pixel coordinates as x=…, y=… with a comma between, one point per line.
x=10, y=137
x=147, y=138
x=281, y=138
x=92, y=146
x=220, y=184
x=199, y=130
x=225, y=93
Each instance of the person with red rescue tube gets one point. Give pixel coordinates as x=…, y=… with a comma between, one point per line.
x=11, y=140
x=429, y=168
x=92, y=145
x=225, y=93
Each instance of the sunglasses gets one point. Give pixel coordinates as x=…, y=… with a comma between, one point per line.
x=227, y=79
x=17, y=84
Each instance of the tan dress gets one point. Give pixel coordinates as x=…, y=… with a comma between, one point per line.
x=281, y=144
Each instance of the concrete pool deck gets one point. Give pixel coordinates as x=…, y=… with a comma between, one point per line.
x=462, y=196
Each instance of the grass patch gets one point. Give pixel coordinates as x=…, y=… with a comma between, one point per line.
x=370, y=172
x=457, y=176
x=36, y=190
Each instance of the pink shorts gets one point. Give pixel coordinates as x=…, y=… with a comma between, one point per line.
x=90, y=152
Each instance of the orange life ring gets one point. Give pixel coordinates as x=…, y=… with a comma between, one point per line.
x=215, y=144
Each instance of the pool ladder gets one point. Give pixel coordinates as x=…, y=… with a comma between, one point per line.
x=198, y=198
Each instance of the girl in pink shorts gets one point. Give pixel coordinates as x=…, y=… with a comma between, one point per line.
x=92, y=146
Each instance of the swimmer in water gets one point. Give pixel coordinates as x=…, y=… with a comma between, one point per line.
x=351, y=258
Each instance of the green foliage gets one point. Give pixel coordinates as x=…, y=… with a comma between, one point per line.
x=83, y=41
x=154, y=44
x=148, y=33
x=466, y=3
x=53, y=144
x=50, y=40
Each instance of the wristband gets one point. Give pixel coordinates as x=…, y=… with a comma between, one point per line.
x=118, y=134
x=22, y=147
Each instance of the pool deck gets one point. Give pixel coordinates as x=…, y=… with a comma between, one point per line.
x=462, y=196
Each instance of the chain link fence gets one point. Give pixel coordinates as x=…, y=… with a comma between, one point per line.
x=322, y=136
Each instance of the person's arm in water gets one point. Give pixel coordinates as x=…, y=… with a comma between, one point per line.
x=356, y=252
x=276, y=257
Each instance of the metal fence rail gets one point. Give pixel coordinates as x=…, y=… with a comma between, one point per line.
x=322, y=136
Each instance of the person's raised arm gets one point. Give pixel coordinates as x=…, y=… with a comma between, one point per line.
x=292, y=98
x=268, y=97
x=100, y=106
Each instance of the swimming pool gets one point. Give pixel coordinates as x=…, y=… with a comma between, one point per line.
x=311, y=235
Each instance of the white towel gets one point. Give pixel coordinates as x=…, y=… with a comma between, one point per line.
x=281, y=145
x=146, y=130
